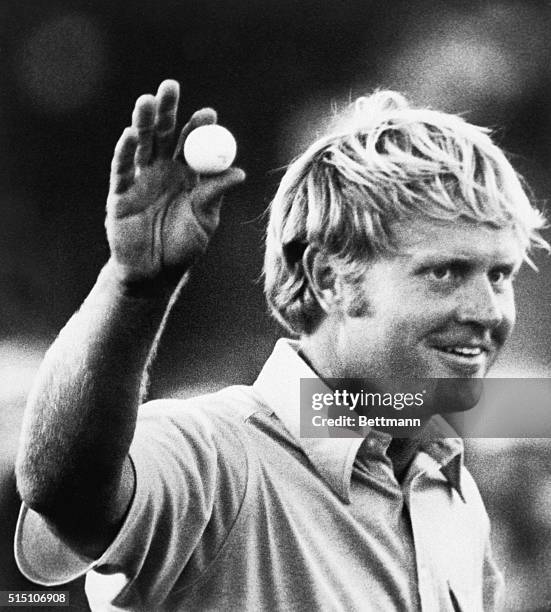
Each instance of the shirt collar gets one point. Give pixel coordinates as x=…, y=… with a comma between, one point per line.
x=279, y=385
x=441, y=442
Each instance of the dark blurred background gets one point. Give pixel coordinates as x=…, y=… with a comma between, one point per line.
x=70, y=72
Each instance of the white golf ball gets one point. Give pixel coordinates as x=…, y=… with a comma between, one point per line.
x=210, y=149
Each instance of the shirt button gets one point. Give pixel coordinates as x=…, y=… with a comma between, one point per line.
x=371, y=445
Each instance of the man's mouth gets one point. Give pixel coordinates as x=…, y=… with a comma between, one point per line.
x=465, y=359
x=463, y=351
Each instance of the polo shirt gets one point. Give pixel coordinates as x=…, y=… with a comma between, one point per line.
x=234, y=511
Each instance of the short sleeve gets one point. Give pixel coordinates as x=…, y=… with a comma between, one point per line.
x=190, y=482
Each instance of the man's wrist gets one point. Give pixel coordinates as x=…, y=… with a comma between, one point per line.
x=161, y=287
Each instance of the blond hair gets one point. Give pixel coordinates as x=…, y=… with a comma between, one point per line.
x=385, y=162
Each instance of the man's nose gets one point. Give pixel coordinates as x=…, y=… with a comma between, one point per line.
x=479, y=304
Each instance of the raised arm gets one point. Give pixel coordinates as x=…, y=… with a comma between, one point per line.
x=73, y=464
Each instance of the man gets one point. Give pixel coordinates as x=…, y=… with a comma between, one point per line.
x=391, y=250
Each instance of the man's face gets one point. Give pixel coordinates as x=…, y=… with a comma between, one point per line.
x=442, y=307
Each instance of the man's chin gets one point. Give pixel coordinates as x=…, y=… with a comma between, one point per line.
x=446, y=392
x=456, y=394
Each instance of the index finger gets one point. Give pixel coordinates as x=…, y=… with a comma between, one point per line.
x=204, y=116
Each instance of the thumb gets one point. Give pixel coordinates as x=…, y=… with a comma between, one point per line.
x=206, y=195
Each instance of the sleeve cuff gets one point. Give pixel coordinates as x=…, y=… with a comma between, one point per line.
x=41, y=556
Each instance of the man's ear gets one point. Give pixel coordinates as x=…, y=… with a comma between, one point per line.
x=322, y=278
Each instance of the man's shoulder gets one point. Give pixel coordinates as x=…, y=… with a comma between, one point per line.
x=202, y=431
x=230, y=407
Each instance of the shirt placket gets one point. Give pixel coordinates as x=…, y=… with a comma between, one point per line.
x=432, y=586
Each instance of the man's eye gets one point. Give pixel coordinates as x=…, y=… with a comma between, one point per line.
x=440, y=273
x=498, y=277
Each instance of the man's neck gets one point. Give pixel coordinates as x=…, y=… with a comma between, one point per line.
x=401, y=452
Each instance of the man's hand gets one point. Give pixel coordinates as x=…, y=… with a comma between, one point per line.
x=160, y=214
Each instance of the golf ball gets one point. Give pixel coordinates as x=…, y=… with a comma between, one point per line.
x=210, y=149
